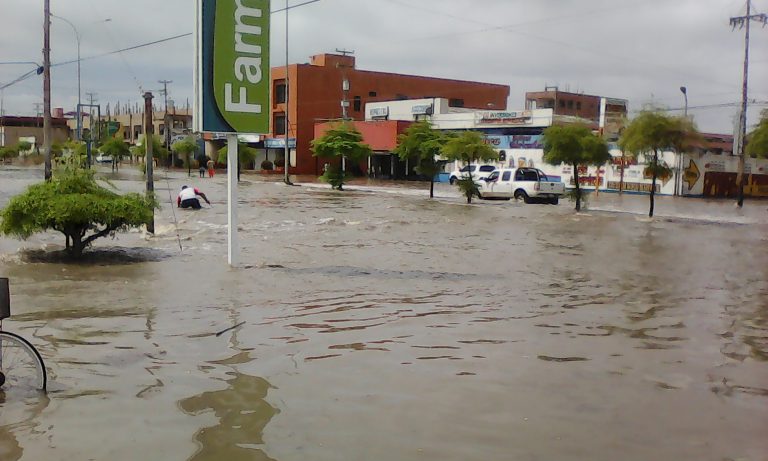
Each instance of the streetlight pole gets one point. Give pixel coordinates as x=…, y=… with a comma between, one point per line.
x=79, y=91
x=680, y=161
x=78, y=37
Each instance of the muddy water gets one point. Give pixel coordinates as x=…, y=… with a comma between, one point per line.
x=381, y=325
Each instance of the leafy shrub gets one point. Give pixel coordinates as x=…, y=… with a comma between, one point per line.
x=267, y=165
x=73, y=203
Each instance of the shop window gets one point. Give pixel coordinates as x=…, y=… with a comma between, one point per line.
x=279, y=124
x=357, y=104
x=280, y=93
x=456, y=102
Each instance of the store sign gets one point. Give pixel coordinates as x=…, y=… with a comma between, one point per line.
x=380, y=112
x=422, y=109
x=516, y=141
x=633, y=186
x=279, y=143
x=232, y=73
x=506, y=118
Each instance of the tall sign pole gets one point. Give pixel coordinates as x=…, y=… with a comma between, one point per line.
x=232, y=82
x=744, y=22
x=47, y=131
x=233, y=249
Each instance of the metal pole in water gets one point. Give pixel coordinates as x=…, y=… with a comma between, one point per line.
x=233, y=250
x=5, y=299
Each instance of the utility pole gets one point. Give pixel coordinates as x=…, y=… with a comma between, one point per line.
x=344, y=85
x=148, y=149
x=47, y=133
x=344, y=99
x=167, y=138
x=744, y=22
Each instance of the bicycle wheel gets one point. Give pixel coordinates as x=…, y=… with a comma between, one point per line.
x=20, y=363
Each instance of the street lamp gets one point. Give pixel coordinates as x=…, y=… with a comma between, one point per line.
x=684, y=90
x=79, y=93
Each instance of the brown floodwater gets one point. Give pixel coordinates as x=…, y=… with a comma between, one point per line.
x=381, y=325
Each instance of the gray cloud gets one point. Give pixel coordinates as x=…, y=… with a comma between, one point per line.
x=642, y=50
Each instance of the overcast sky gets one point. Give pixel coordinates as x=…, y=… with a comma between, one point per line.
x=641, y=50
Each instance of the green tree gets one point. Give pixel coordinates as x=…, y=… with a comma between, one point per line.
x=74, y=204
x=158, y=151
x=8, y=152
x=342, y=141
x=23, y=146
x=424, y=144
x=117, y=149
x=245, y=155
x=186, y=148
x=650, y=134
x=574, y=145
x=757, y=141
x=468, y=147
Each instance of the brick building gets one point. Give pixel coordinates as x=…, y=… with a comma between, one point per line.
x=316, y=94
x=607, y=113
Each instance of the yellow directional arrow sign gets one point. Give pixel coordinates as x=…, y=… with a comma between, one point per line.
x=691, y=174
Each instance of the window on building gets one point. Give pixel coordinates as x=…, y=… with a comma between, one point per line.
x=372, y=94
x=161, y=129
x=456, y=102
x=570, y=104
x=279, y=124
x=578, y=105
x=562, y=104
x=357, y=104
x=280, y=92
x=401, y=97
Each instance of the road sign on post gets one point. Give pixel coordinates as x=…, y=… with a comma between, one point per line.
x=232, y=80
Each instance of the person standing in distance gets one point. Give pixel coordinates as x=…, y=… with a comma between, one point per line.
x=188, y=198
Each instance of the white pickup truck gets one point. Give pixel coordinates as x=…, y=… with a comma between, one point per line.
x=528, y=184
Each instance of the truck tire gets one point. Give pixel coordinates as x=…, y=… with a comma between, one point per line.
x=521, y=194
x=554, y=200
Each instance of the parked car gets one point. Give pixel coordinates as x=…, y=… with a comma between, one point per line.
x=101, y=158
x=478, y=172
x=527, y=184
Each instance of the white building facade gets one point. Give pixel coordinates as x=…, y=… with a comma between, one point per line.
x=517, y=136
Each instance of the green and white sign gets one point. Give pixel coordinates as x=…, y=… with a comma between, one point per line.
x=232, y=81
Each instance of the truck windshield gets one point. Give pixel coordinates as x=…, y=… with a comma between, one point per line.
x=542, y=176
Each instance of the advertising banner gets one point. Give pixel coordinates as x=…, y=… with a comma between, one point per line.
x=232, y=74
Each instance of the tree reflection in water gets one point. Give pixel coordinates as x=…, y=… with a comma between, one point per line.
x=243, y=414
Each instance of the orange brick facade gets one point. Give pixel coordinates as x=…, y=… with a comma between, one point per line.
x=315, y=95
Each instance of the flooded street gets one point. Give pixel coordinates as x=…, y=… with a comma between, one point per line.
x=381, y=325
